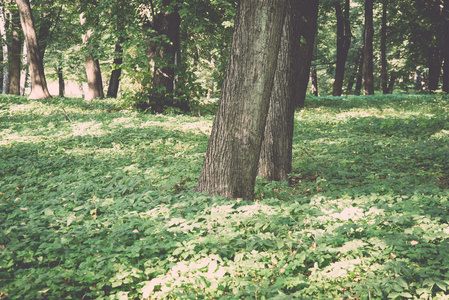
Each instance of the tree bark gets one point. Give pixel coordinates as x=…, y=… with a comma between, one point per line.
x=434, y=64
x=93, y=72
x=39, y=88
x=275, y=162
x=24, y=74
x=308, y=11
x=164, y=55
x=314, y=83
x=359, y=77
x=445, y=48
x=343, y=45
x=383, y=49
x=232, y=157
x=15, y=56
x=368, y=73
x=114, y=81
x=61, y=82
x=5, y=49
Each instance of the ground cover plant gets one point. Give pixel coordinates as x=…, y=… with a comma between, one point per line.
x=96, y=202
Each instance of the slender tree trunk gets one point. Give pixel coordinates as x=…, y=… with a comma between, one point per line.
x=383, y=49
x=368, y=72
x=232, y=157
x=434, y=64
x=5, y=49
x=93, y=72
x=354, y=72
x=38, y=83
x=308, y=11
x=343, y=45
x=391, y=84
x=15, y=56
x=114, y=81
x=61, y=82
x=445, y=48
x=25, y=67
x=275, y=161
x=314, y=83
x=417, y=81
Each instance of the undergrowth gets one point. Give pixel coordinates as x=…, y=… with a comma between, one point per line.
x=96, y=202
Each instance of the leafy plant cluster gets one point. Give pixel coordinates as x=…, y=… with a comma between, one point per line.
x=96, y=202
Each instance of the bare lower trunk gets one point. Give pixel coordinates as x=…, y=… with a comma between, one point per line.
x=61, y=82
x=232, y=157
x=165, y=56
x=314, y=83
x=275, y=163
x=14, y=67
x=308, y=22
x=24, y=74
x=94, y=81
x=434, y=64
x=445, y=48
x=368, y=69
x=383, y=49
x=114, y=81
x=5, y=48
x=38, y=83
x=343, y=44
x=93, y=72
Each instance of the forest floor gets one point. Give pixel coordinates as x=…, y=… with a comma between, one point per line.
x=96, y=202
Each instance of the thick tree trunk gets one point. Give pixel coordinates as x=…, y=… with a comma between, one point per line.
x=232, y=157
x=5, y=49
x=93, y=72
x=383, y=49
x=368, y=72
x=445, y=48
x=114, y=81
x=164, y=55
x=275, y=161
x=343, y=45
x=38, y=83
x=15, y=56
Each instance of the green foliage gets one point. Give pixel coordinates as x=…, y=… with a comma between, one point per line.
x=96, y=202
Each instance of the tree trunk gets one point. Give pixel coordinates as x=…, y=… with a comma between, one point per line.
x=383, y=49
x=232, y=157
x=275, y=161
x=114, y=81
x=343, y=44
x=15, y=56
x=61, y=82
x=38, y=83
x=391, y=84
x=434, y=64
x=308, y=11
x=25, y=67
x=93, y=72
x=314, y=83
x=164, y=55
x=445, y=48
x=368, y=73
x=5, y=49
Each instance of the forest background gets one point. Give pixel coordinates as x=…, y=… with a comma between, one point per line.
x=189, y=41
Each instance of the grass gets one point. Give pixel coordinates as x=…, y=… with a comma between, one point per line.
x=96, y=202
